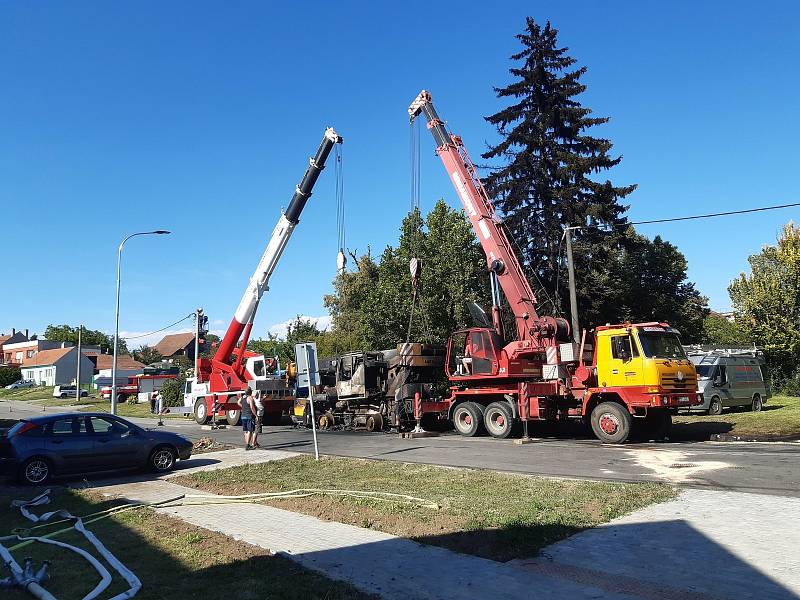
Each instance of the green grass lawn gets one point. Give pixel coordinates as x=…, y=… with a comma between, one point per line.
x=171, y=558
x=494, y=515
x=33, y=394
x=780, y=418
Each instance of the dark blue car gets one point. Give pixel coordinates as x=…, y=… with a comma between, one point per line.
x=39, y=448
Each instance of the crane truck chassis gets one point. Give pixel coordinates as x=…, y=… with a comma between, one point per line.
x=374, y=390
x=629, y=373
x=220, y=382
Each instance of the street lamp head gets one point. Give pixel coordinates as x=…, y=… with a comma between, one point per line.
x=161, y=231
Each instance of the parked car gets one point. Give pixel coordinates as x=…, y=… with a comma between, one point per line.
x=37, y=449
x=729, y=380
x=67, y=391
x=22, y=383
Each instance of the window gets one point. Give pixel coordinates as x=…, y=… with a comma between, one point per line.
x=67, y=426
x=31, y=353
x=623, y=348
x=103, y=425
x=19, y=356
x=661, y=345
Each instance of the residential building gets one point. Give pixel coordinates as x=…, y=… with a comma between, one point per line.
x=18, y=353
x=15, y=337
x=57, y=366
x=176, y=344
x=126, y=366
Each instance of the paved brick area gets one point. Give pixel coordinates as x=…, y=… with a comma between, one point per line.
x=707, y=543
x=704, y=546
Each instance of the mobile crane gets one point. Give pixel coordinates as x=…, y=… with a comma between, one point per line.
x=221, y=381
x=631, y=373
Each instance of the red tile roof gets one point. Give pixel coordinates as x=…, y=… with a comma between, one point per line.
x=173, y=342
x=47, y=357
x=124, y=361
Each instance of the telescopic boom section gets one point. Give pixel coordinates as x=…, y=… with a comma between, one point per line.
x=259, y=282
x=500, y=257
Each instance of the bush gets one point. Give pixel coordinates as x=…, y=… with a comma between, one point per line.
x=789, y=386
x=9, y=375
x=172, y=391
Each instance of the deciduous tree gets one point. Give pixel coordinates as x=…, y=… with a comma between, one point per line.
x=766, y=304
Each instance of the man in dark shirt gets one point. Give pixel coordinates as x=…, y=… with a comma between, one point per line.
x=248, y=418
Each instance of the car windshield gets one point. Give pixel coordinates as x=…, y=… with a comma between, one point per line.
x=704, y=371
x=661, y=345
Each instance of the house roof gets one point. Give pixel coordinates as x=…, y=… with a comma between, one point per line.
x=47, y=357
x=104, y=361
x=170, y=344
x=4, y=339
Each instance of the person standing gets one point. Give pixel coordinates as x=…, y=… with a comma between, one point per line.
x=248, y=421
x=259, y=405
x=153, y=402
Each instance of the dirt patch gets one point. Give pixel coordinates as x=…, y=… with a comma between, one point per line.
x=208, y=444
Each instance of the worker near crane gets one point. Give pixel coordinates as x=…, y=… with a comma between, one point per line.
x=258, y=401
x=248, y=418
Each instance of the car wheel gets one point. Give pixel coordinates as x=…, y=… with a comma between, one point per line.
x=162, y=459
x=611, y=422
x=757, y=404
x=200, y=411
x=36, y=471
x=715, y=406
x=468, y=419
x=62, y=395
x=498, y=420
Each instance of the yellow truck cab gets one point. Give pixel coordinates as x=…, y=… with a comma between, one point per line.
x=641, y=376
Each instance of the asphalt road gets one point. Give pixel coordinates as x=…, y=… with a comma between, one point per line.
x=767, y=468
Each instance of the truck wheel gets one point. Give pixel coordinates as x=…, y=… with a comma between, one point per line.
x=374, y=422
x=233, y=417
x=715, y=406
x=498, y=420
x=200, y=411
x=757, y=403
x=467, y=419
x=611, y=422
x=121, y=398
x=326, y=421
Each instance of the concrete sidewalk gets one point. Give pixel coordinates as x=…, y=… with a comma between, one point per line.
x=702, y=546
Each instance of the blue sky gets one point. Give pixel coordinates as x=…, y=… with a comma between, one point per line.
x=199, y=117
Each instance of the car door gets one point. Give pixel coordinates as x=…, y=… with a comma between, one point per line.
x=116, y=445
x=627, y=365
x=69, y=445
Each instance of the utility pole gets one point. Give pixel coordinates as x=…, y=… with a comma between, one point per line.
x=78, y=370
x=573, y=296
x=198, y=317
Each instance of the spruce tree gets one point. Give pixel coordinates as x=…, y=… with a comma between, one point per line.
x=548, y=174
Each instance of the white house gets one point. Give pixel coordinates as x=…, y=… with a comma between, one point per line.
x=57, y=367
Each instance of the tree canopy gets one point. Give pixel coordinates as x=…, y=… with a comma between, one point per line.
x=89, y=337
x=766, y=304
x=371, y=306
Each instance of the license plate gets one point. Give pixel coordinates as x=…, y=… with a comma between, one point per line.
x=683, y=399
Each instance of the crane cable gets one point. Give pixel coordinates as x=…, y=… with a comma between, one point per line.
x=415, y=263
x=341, y=230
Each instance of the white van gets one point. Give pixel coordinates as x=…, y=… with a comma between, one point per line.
x=730, y=379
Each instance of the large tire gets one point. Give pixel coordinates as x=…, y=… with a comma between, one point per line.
x=498, y=419
x=468, y=419
x=757, y=404
x=162, y=459
x=200, y=411
x=611, y=422
x=37, y=470
x=715, y=406
x=121, y=398
x=326, y=420
x=374, y=422
x=232, y=417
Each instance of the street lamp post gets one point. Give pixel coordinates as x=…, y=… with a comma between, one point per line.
x=116, y=317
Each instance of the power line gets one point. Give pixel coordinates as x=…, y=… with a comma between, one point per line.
x=706, y=216
x=134, y=337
